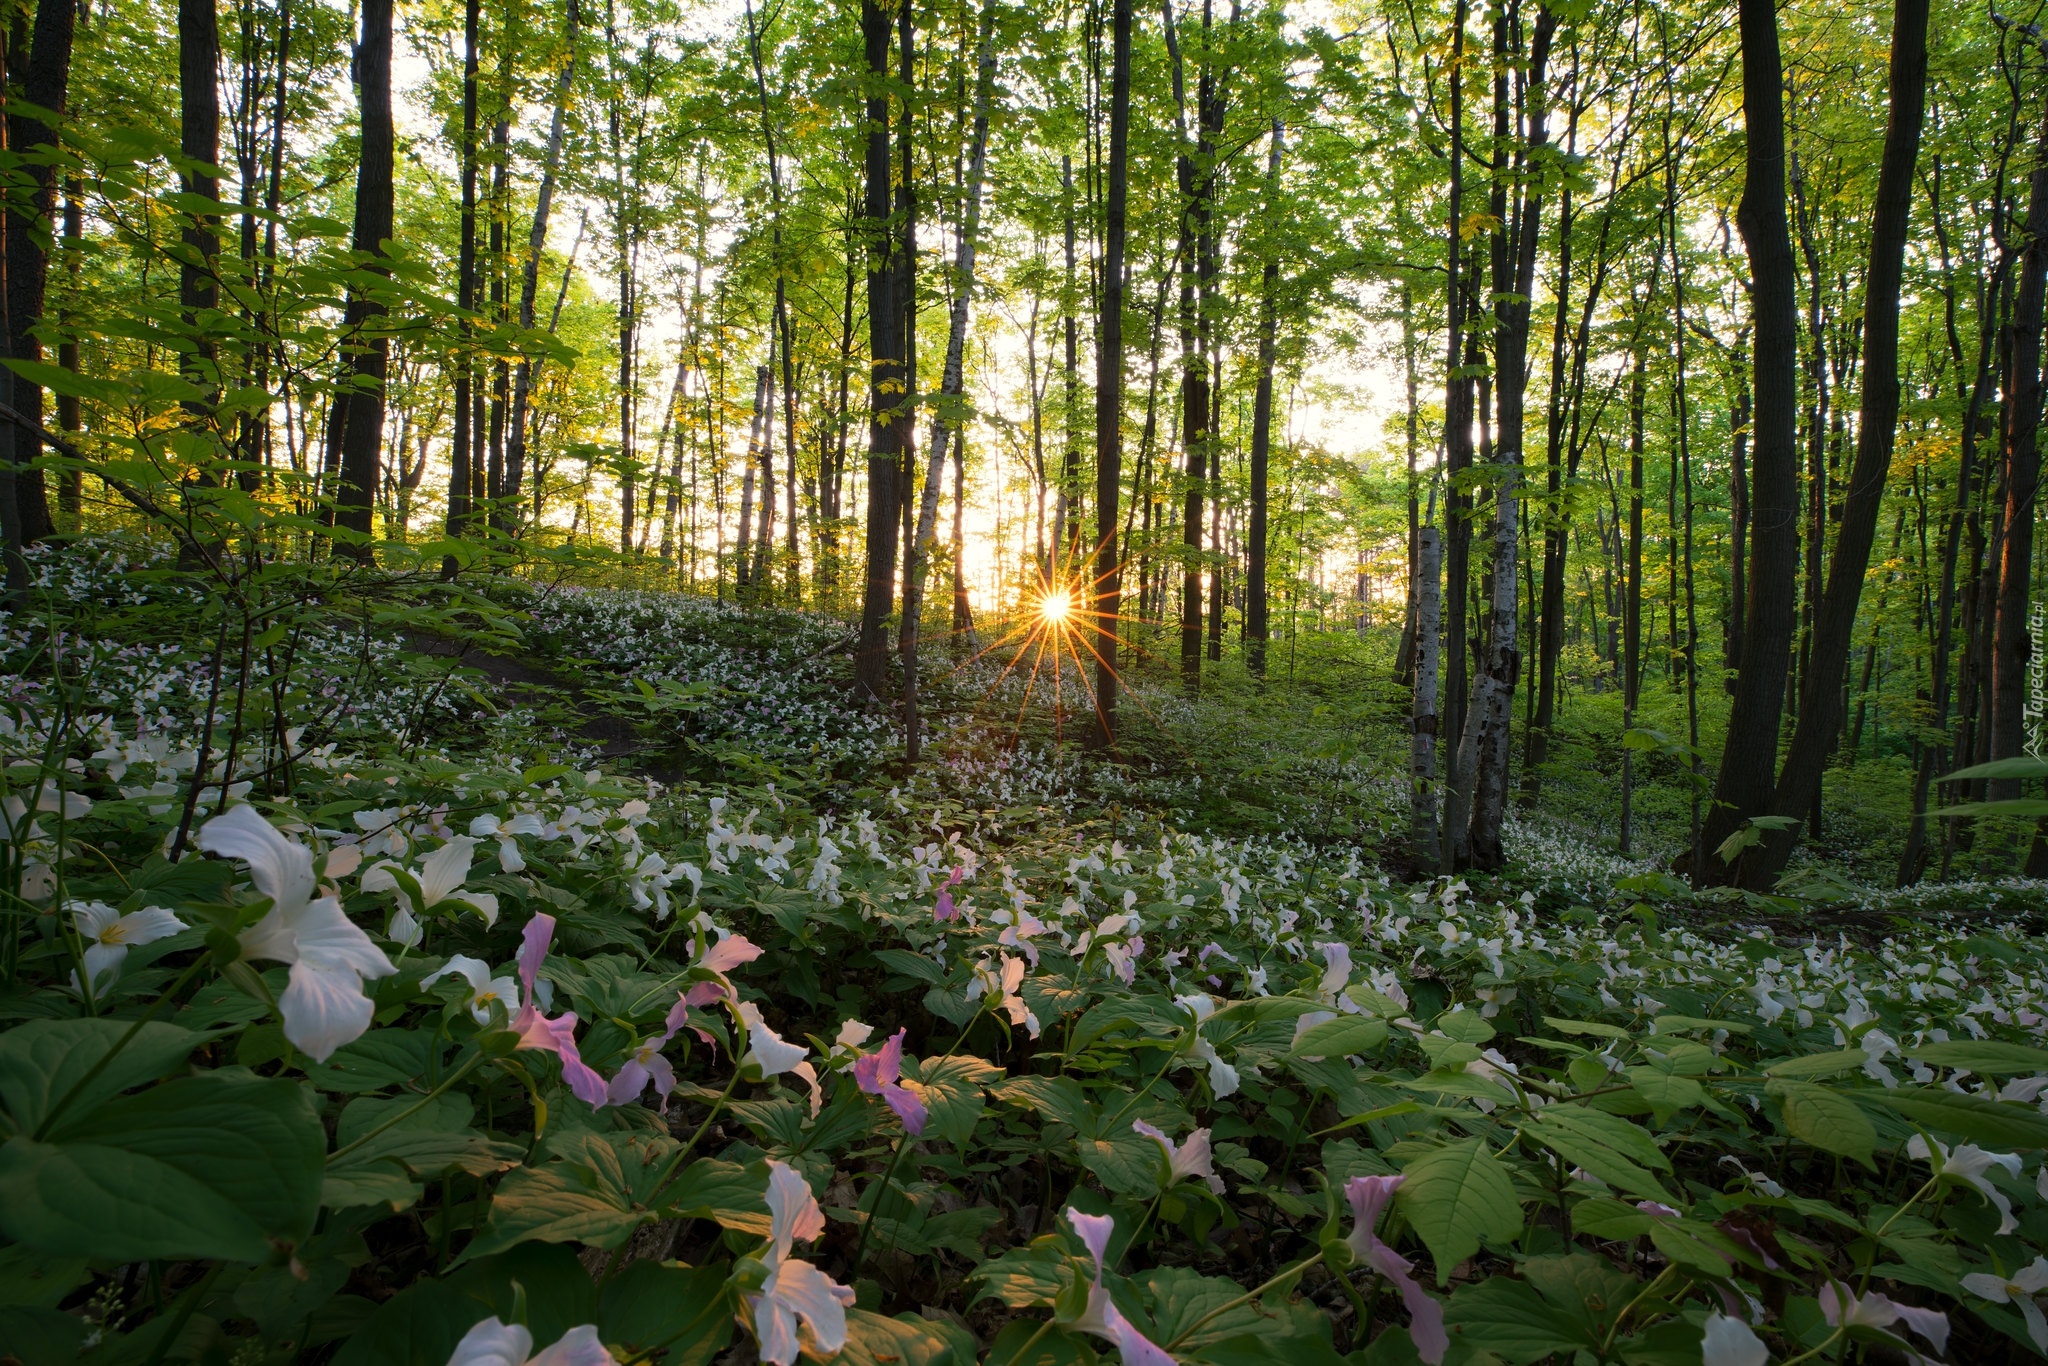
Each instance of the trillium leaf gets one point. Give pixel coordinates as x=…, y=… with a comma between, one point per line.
x=1454, y=1197
x=1341, y=1037
x=1991, y=1057
x=1824, y=1119
x=219, y=1165
x=41, y=1061
x=727, y=1193
x=680, y=1313
x=1818, y=1064
x=1995, y=1124
x=872, y=1340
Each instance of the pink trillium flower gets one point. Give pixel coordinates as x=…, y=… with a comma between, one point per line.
x=1842, y=1309
x=1369, y=1196
x=492, y=1343
x=798, y=1301
x=942, y=909
x=1102, y=1317
x=1183, y=1160
x=880, y=1074
x=557, y=1036
x=645, y=1063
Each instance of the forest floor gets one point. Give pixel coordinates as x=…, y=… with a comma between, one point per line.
x=972, y=1017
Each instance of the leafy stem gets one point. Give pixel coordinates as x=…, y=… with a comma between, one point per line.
x=108, y=1057
x=468, y=1065
x=1285, y=1275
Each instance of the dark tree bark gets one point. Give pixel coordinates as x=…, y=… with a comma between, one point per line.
x=1489, y=727
x=1820, y=706
x=2011, y=644
x=44, y=80
x=536, y=242
x=462, y=450
x=1255, y=622
x=1748, y=766
x=199, y=142
x=1106, y=594
x=355, y=425
x=887, y=415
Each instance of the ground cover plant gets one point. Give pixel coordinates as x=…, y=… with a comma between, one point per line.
x=435, y=1051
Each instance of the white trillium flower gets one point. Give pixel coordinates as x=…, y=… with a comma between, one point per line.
x=108, y=934
x=774, y=1055
x=2017, y=1290
x=492, y=1343
x=323, y=1006
x=1223, y=1078
x=1184, y=1160
x=1731, y=1342
x=439, y=878
x=1967, y=1163
x=483, y=988
x=509, y=856
x=799, y=1305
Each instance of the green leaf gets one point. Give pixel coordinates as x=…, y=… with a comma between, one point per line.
x=1579, y=1135
x=220, y=1165
x=953, y=1094
x=42, y=1060
x=872, y=1340
x=1824, y=1119
x=1994, y=1123
x=1588, y=1027
x=597, y=1194
x=1049, y=1347
x=679, y=1312
x=1988, y=1057
x=1665, y=1091
x=1181, y=1298
x=1818, y=1064
x=420, y=1325
x=1024, y=1277
x=911, y=965
x=1455, y=1197
x=1127, y=1163
x=1508, y=1318
x=727, y=1193
x=1341, y=1037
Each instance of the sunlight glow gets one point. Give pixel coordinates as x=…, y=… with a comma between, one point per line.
x=1056, y=607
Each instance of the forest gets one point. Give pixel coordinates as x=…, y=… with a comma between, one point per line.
x=908, y=683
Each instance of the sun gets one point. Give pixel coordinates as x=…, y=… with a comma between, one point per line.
x=1056, y=607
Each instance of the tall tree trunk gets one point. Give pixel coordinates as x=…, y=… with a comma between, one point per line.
x=462, y=451
x=44, y=82
x=1820, y=708
x=1742, y=788
x=2011, y=642
x=1489, y=724
x=1457, y=420
x=500, y=209
x=1632, y=589
x=199, y=140
x=536, y=242
x=1105, y=597
x=949, y=415
x=1066, y=510
x=1255, y=621
x=355, y=428
x=1934, y=756
x=1424, y=839
x=886, y=396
